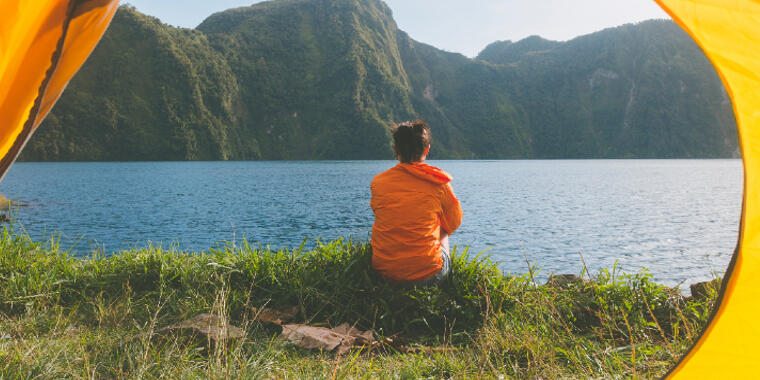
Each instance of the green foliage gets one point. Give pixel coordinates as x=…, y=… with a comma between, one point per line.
x=332, y=284
x=99, y=316
x=324, y=79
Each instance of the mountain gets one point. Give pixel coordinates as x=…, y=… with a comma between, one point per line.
x=509, y=52
x=323, y=79
x=318, y=79
x=641, y=90
x=148, y=92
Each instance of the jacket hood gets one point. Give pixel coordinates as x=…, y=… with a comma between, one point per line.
x=427, y=172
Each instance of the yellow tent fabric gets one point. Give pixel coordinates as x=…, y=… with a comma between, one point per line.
x=42, y=45
x=729, y=33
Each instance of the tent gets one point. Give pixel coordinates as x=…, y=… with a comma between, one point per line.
x=42, y=45
x=44, y=42
x=729, y=33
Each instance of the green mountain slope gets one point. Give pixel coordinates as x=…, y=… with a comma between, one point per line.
x=319, y=79
x=322, y=79
x=148, y=92
x=635, y=91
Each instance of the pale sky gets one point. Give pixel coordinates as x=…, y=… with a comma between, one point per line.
x=463, y=26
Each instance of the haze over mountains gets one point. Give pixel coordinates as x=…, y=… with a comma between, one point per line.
x=323, y=79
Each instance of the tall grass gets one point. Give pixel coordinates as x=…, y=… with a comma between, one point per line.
x=99, y=316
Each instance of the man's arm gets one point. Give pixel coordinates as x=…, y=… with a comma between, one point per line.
x=452, y=211
x=372, y=200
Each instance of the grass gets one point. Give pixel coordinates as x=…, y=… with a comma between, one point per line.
x=96, y=317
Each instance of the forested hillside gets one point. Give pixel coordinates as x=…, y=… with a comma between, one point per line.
x=323, y=79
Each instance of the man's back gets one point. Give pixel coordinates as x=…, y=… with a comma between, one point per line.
x=414, y=206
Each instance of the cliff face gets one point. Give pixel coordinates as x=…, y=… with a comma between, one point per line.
x=321, y=79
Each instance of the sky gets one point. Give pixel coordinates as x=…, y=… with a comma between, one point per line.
x=462, y=26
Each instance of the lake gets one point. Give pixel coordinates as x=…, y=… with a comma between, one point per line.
x=678, y=218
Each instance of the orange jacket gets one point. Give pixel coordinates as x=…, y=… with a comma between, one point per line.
x=413, y=203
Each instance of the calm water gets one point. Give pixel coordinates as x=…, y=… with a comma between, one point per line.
x=678, y=218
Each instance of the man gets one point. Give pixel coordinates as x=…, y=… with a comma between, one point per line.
x=415, y=212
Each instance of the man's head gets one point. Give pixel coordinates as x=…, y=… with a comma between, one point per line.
x=411, y=141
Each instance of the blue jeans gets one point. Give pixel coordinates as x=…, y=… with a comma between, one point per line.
x=439, y=277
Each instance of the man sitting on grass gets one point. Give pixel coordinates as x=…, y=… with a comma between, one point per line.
x=415, y=212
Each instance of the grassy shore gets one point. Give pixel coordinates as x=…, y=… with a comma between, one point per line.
x=97, y=317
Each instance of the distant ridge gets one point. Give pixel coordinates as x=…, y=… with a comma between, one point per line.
x=509, y=52
x=323, y=79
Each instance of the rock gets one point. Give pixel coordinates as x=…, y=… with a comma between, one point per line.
x=564, y=280
x=703, y=290
x=211, y=326
x=5, y=203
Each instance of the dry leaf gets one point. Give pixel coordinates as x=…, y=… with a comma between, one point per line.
x=277, y=316
x=312, y=338
x=342, y=337
x=211, y=326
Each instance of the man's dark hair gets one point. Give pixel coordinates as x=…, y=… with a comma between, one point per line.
x=410, y=139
